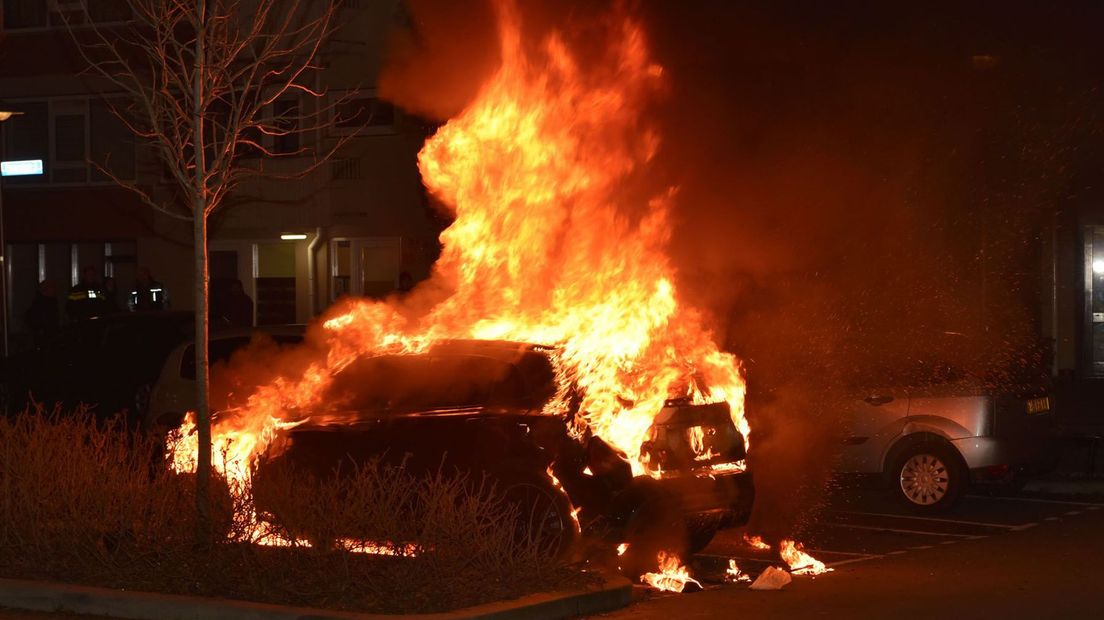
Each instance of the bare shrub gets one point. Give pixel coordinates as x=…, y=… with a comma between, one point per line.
x=77, y=493
x=83, y=501
x=443, y=537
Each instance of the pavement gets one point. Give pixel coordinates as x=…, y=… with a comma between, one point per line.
x=1027, y=556
x=613, y=591
x=1031, y=555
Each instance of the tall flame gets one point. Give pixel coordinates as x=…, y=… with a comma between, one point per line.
x=547, y=247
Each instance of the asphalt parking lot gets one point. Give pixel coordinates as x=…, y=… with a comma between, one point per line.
x=864, y=527
x=990, y=551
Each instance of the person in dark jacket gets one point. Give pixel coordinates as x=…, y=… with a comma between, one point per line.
x=111, y=296
x=43, y=317
x=86, y=297
x=148, y=294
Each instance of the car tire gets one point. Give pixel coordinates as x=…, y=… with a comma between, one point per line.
x=928, y=476
x=139, y=405
x=544, y=514
x=655, y=525
x=700, y=536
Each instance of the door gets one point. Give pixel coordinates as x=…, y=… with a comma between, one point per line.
x=874, y=419
x=368, y=266
x=275, y=283
x=1094, y=299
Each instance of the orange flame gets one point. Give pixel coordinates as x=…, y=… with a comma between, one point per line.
x=801, y=563
x=756, y=542
x=547, y=247
x=559, y=487
x=734, y=574
x=672, y=575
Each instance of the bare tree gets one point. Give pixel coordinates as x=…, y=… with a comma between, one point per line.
x=201, y=80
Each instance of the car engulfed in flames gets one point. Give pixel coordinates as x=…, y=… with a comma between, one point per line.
x=621, y=419
x=481, y=408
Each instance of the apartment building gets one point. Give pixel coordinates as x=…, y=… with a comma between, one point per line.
x=351, y=226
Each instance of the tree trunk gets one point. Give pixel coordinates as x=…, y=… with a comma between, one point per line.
x=199, y=218
x=203, y=412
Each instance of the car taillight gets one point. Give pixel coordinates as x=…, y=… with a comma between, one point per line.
x=687, y=437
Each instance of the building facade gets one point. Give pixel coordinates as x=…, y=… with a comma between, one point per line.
x=350, y=226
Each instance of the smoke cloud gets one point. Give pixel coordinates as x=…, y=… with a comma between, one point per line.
x=851, y=185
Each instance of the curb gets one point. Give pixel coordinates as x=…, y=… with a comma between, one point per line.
x=615, y=592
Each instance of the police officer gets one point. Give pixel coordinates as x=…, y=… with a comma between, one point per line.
x=86, y=298
x=148, y=294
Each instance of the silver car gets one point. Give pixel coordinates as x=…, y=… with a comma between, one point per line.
x=932, y=440
x=174, y=392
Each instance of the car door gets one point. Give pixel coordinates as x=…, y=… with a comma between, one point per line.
x=874, y=419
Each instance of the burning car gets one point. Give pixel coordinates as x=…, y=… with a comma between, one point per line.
x=625, y=413
x=491, y=409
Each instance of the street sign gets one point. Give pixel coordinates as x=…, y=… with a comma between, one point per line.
x=19, y=168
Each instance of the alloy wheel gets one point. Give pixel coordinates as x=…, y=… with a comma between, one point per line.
x=924, y=479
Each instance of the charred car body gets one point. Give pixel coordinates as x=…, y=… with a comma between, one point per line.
x=480, y=407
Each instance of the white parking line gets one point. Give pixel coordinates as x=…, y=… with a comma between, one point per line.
x=853, y=560
x=1005, y=526
x=875, y=528
x=738, y=558
x=823, y=551
x=1038, y=501
x=814, y=552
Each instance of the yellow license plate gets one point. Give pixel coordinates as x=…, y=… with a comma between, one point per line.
x=1038, y=405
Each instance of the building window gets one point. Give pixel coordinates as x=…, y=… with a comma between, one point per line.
x=27, y=14
x=110, y=143
x=73, y=137
x=368, y=266
x=364, y=115
x=69, y=163
x=285, y=115
x=24, y=14
x=28, y=136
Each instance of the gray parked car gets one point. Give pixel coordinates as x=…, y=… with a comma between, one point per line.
x=940, y=429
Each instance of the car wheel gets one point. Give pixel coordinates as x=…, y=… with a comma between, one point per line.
x=543, y=515
x=928, y=477
x=139, y=403
x=700, y=536
x=656, y=525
